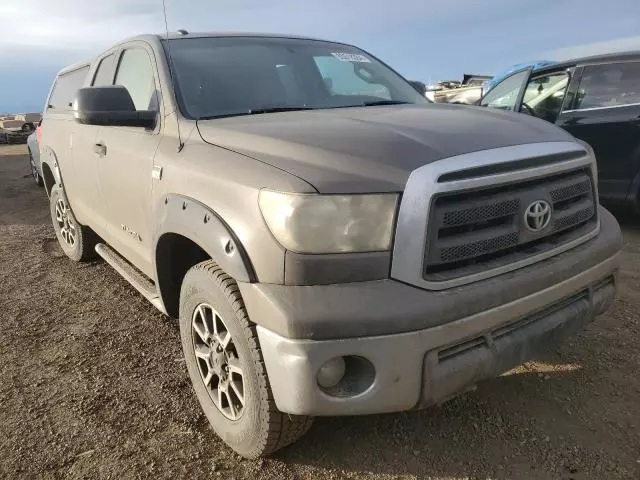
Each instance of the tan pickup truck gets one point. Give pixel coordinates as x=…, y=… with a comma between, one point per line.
x=331, y=242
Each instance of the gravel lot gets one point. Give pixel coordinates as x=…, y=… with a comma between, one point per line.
x=92, y=385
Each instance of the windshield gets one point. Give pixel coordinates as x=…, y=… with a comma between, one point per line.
x=225, y=76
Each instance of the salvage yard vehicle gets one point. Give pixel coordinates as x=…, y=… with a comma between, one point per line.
x=597, y=100
x=328, y=245
x=14, y=131
x=34, y=158
x=467, y=92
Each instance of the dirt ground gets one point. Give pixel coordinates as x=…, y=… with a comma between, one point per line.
x=93, y=385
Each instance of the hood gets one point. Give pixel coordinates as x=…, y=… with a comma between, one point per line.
x=371, y=149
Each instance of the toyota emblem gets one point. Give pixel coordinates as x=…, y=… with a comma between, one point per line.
x=537, y=216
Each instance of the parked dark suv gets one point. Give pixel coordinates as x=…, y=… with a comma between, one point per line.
x=596, y=99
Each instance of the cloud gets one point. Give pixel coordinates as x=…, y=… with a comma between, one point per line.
x=419, y=38
x=595, y=48
x=78, y=9
x=74, y=27
x=78, y=29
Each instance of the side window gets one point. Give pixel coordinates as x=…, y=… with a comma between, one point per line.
x=610, y=85
x=66, y=88
x=505, y=95
x=544, y=95
x=135, y=73
x=106, y=70
x=342, y=78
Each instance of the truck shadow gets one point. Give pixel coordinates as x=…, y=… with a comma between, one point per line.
x=23, y=202
x=505, y=429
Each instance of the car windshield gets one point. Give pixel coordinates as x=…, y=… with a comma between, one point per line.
x=226, y=76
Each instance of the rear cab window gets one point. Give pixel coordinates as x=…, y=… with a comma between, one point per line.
x=66, y=88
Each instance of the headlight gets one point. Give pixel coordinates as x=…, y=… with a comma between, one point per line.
x=311, y=223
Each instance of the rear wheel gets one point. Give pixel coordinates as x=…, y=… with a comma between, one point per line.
x=226, y=367
x=34, y=171
x=77, y=241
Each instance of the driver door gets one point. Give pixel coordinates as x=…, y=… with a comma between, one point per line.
x=126, y=161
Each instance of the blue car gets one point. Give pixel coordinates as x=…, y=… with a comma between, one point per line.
x=34, y=158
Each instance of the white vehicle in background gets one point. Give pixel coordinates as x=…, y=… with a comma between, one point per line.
x=34, y=157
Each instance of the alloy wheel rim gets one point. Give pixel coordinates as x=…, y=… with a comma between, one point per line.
x=218, y=361
x=65, y=223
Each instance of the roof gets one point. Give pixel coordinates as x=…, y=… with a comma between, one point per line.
x=74, y=66
x=176, y=35
x=607, y=58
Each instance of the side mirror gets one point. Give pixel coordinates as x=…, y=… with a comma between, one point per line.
x=111, y=106
x=419, y=86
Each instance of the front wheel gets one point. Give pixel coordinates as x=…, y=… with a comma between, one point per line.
x=77, y=241
x=225, y=364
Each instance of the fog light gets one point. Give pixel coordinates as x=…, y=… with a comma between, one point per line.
x=331, y=372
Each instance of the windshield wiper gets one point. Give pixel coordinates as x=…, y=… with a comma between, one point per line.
x=258, y=111
x=384, y=102
x=255, y=111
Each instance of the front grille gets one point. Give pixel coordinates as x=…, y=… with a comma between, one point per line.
x=596, y=298
x=473, y=231
x=487, y=212
x=481, y=247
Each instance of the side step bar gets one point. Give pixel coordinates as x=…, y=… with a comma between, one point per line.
x=141, y=283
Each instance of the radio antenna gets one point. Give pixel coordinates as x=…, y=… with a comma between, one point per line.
x=166, y=29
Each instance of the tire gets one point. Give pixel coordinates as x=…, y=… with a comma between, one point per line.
x=258, y=428
x=67, y=228
x=34, y=171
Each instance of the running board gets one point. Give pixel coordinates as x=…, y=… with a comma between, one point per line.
x=141, y=283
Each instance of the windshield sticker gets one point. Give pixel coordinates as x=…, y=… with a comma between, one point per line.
x=351, y=57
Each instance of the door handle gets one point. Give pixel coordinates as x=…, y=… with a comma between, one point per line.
x=100, y=149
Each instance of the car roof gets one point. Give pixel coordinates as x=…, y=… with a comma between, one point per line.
x=180, y=36
x=177, y=35
x=607, y=58
x=73, y=67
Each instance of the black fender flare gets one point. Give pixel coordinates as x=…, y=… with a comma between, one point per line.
x=192, y=219
x=48, y=158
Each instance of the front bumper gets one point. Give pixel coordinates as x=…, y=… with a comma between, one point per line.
x=423, y=367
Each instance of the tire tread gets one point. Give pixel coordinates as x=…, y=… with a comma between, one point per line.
x=87, y=239
x=281, y=429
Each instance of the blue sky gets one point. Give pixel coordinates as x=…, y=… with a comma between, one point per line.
x=422, y=39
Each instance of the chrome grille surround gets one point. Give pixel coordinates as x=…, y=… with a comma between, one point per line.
x=494, y=225
x=487, y=169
